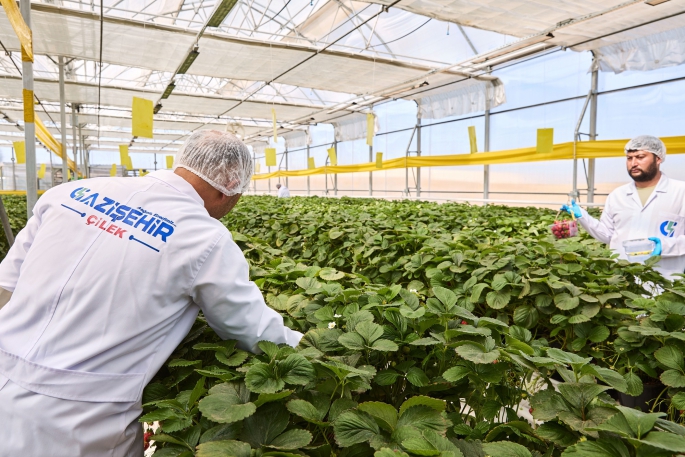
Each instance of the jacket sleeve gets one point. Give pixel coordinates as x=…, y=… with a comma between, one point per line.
x=602, y=229
x=234, y=305
x=11, y=264
x=673, y=247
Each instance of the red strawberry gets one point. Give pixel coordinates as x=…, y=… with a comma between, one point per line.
x=464, y=322
x=530, y=410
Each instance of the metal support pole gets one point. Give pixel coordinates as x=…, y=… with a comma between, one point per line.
x=14, y=171
x=371, y=172
x=486, y=148
x=63, y=120
x=286, y=166
x=29, y=125
x=593, y=130
x=74, y=143
x=254, y=161
x=308, y=181
x=335, y=175
x=155, y=159
x=418, y=153
x=82, y=153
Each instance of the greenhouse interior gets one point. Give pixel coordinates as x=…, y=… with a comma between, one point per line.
x=341, y=228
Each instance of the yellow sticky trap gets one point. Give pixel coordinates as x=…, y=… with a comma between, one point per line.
x=370, y=128
x=545, y=143
x=257, y=167
x=273, y=115
x=170, y=162
x=141, y=117
x=333, y=156
x=472, y=139
x=41, y=171
x=123, y=156
x=310, y=163
x=379, y=160
x=20, y=28
x=270, y=154
x=20, y=151
x=29, y=114
x=113, y=171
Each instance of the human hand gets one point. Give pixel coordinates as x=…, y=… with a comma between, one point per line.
x=657, y=245
x=573, y=209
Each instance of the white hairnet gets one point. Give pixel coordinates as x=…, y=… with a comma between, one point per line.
x=647, y=143
x=219, y=158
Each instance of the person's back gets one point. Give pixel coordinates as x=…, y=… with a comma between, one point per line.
x=283, y=191
x=107, y=279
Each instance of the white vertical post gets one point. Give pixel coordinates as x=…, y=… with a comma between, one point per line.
x=82, y=152
x=29, y=124
x=74, y=142
x=593, y=131
x=286, y=166
x=418, y=153
x=335, y=175
x=486, y=148
x=308, y=182
x=371, y=172
x=63, y=120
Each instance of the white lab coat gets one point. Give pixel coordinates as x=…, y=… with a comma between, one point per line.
x=107, y=279
x=283, y=192
x=663, y=216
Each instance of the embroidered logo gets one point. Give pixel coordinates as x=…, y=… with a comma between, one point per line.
x=667, y=228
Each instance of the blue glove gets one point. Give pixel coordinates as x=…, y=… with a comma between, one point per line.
x=657, y=248
x=573, y=209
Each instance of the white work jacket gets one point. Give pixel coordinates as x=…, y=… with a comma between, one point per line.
x=283, y=192
x=107, y=279
x=663, y=216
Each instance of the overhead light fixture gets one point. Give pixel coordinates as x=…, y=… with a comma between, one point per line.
x=655, y=2
x=524, y=43
x=169, y=89
x=189, y=61
x=158, y=107
x=221, y=12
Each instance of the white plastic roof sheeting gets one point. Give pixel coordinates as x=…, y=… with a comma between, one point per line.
x=352, y=127
x=468, y=97
x=296, y=138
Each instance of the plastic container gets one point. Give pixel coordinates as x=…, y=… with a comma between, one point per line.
x=639, y=250
x=564, y=229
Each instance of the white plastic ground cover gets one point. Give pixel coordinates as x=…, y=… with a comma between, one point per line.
x=86, y=93
x=466, y=97
x=352, y=127
x=661, y=50
x=296, y=138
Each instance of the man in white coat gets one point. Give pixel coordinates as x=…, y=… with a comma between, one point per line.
x=106, y=280
x=652, y=206
x=282, y=191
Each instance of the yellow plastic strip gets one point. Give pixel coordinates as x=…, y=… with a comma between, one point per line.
x=332, y=156
x=41, y=171
x=311, y=165
x=20, y=151
x=49, y=141
x=113, y=170
x=473, y=143
x=379, y=160
x=29, y=114
x=170, y=162
x=563, y=151
x=142, y=113
x=257, y=167
x=370, y=128
x=124, y=157
x=20, y=28
x=270, y=154
x=545, y=143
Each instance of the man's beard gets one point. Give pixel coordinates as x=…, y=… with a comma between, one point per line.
x=646, y=175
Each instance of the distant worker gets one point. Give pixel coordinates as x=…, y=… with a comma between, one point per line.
x=282, y=191
x=652, y=206
x=103, y=284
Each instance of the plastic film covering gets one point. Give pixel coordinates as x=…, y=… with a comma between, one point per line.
x=219, y=158
x=660, y=50
x=647, y=143
x=352, y=127
x=297, y=138
x=467, y=97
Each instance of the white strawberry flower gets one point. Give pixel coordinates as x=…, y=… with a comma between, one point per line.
x=331, y=325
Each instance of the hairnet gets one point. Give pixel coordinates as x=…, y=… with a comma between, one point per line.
x=219, y=158
x=647, y=143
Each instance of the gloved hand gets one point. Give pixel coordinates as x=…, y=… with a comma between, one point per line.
x=657, y=247
x=573, y=209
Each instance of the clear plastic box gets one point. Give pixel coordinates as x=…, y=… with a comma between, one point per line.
x=638, y=250
x=564, y=229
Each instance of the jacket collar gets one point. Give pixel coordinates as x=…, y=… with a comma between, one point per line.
x=661, y=186
x=175, y=181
